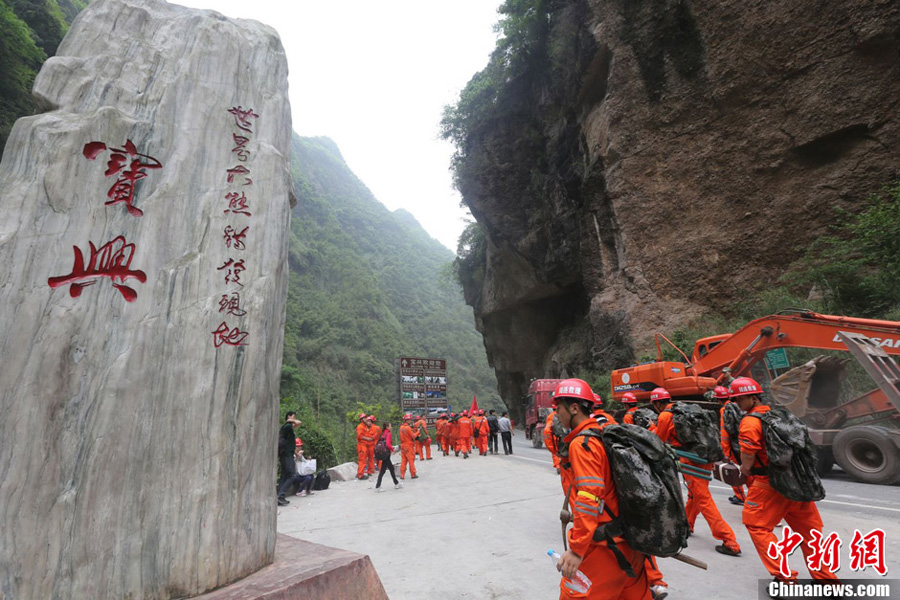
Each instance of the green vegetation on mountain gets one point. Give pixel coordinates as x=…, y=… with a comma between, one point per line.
x=30, y=31
x=367, y=285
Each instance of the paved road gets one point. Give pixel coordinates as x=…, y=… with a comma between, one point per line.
x=479, y=528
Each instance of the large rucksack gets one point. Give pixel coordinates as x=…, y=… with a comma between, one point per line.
x=644, y=417
x=731, y=421
x=651, y=509
x=792, y=456
x=698, y=431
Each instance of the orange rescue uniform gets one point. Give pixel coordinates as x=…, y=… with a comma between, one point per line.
x=480, y=430
x=550, y=441
x=727, y=451
x=628, y=419
x=699, y=501
x=764, y=507
x=423, y=449
x=464, y=435
x=407, y=450
x=439, y=426
x=362, y=448
x=592, y=490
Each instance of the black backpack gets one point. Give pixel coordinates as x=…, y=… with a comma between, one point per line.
x=731, y=421
x=644, y=417
x=322, y=481
x=792, y=456
x=493, y=424
x=382, y=452
x=698, y=431
x=651, y=509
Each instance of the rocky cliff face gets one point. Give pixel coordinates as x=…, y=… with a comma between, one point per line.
x=668, y=159
x=143, y=237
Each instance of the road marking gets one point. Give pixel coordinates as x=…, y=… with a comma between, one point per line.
x=873, y=506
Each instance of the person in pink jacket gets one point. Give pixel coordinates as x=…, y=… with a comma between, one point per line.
x=386, y=464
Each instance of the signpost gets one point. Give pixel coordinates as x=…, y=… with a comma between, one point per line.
x=421, y=384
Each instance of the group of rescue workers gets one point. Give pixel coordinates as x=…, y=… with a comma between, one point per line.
x=588, y=483
x=460, y=434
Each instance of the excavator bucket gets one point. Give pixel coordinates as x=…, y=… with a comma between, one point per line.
x=813, y=386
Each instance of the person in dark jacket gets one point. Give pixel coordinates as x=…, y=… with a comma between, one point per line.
x=494, y=428
x=287, y=443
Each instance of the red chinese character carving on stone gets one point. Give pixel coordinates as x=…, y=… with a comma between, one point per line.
x=112, y=260
x=230, y=337
x=235, y=239
x=781, y=550
x=868, y=551
x=231, y=305
x=242, y=117
x=824, y=551
x=234, y=268
x=237, y=203
x=240, y=143
x=123, y=189
x=239, y=170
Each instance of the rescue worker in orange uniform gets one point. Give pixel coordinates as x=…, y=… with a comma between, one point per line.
x=551, y=442
x=374, y=434
x=464, y=434
x=700, y=501
x=453, y=430
x=592, y=496
x=764, y=507
x=439, y=424
x=423, y=439
x=480, y=431
x=729, y=444
x=631, y=403
x=362, y=447
x=407, y=448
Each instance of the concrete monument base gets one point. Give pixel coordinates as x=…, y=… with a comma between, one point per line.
x=308, y=571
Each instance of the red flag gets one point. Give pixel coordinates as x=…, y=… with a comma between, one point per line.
x=474, y=408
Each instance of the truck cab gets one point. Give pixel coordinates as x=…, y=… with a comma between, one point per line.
x=538, y=404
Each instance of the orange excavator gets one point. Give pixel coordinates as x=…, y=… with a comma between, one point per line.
x=861, y=435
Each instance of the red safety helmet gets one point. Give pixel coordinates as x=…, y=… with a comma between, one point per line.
x=660, y=394
x=720, y=392
x=452, y=414
x=480, y=412
x=407, y=417
x=298, y=442
x=744, y=386
x=576, y=390
x=629, y=398
x=464, y=413
x=370, y=418
x=362, y=416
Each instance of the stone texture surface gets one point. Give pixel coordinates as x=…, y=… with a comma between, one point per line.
x=343, y=472
x=671, y=158
x=138, y=459
x=306, y=571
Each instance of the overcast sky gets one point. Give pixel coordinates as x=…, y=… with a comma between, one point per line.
x=374, y=76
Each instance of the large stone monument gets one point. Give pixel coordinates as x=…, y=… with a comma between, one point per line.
x=143, y=240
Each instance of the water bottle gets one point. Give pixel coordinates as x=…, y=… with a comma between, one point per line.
x=579, y=584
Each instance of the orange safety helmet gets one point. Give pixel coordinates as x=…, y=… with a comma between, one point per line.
x=576, y=390
x=660, y=394
x=629, y=398
x=720, y=392
x=744, y=386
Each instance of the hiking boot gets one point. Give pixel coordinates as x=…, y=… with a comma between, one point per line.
x=457, y=453
x=414, y=477
x=429, y=458
x=465, y=455
x=659, y=592
x=283, y=501
x=723, y=549
x=736, y=501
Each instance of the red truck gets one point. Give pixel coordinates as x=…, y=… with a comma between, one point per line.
x=538, y=405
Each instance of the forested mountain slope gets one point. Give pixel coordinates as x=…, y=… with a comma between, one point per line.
x=367, y=286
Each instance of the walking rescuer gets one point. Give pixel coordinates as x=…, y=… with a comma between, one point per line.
x=593, y=491
x=774, y=494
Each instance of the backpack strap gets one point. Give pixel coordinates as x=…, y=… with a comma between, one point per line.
x=761, y=469
x=614, y=528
